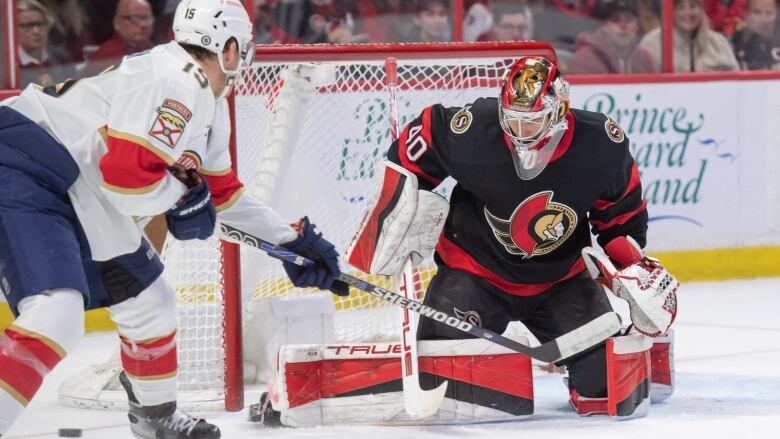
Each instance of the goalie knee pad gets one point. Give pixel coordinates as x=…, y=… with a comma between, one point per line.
x=628, y=380
x=361, y=383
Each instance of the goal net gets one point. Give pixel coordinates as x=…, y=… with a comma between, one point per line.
x=311, y=132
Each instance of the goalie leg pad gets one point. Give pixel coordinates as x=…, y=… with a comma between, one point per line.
x=662, y=364
x=628, y=380
x=361, y=383
x=404, y=221
x=628, y=375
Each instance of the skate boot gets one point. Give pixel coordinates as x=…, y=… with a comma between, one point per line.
x=164, y=421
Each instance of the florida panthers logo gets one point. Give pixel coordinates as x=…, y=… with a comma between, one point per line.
x=537, y=226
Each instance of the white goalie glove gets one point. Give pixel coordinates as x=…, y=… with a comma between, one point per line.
x=648, y=287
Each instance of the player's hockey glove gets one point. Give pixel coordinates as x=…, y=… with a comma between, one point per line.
x=325, y=271
x=648, y=287
x=194, y=216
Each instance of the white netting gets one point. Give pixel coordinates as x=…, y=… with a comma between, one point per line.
x=311, y=138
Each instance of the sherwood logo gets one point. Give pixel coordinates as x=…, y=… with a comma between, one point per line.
x=420, y=308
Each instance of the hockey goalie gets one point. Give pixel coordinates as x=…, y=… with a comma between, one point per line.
x=534, y=179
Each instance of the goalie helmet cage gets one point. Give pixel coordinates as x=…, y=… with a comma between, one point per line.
x=311, y=128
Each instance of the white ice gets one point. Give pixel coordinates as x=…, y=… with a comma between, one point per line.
x=728, y=386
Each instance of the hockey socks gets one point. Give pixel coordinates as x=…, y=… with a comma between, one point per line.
x=40, y=338
x=151, y=367
x=25, y=359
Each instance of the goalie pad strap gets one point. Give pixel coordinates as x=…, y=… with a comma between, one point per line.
x=361, y=383
x=404, y=221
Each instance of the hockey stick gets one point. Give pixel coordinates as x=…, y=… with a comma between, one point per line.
x=418, y=403
x=573, y=342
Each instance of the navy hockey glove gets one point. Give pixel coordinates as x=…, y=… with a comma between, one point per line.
x=194, y=216
x=325, y=271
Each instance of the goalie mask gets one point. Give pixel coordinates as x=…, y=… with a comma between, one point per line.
x=531, y=108
x=210, y=24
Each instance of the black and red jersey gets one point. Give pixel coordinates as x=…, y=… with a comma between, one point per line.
x=524, y=235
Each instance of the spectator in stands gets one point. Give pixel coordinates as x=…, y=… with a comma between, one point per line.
x=263, y=22
x=39, y=62
x=431, y=19
x=649, y=12
x=756, y=46
x=70, y=27
x=697, y=48
x=133, y=26
x=511, y=22
x=560, y=22
x=612, y=47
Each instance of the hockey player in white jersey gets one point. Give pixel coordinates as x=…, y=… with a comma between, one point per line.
x=80, y=163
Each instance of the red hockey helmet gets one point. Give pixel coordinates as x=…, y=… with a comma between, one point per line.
x=533, y=102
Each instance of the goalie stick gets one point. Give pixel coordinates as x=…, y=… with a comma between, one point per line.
x=418, y=403
x=573, y=342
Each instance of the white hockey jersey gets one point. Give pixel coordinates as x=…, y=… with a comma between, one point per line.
x=124, y=127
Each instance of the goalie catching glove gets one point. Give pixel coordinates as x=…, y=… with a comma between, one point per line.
x=325, y=271
x=649, y=289
x=404, y=222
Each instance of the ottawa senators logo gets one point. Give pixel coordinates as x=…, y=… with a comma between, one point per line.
x=537, y=226
x=462, y=120
x=614, y=131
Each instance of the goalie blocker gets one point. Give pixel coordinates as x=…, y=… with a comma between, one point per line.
x=405, y=222
x=342, y=384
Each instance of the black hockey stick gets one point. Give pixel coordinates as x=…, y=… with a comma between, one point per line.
x=566, y=345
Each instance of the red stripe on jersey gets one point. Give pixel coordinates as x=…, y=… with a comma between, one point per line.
x=223, y=187
x=425, y=132
x=455, y=257
x=129, y=165
x=620, y=219
x=150, y=360
x=633, y=182
x=365, y=245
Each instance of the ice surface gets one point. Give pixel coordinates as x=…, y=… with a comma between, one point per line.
x=728, y=386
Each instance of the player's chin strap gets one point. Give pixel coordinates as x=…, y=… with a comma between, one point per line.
x=571, y=343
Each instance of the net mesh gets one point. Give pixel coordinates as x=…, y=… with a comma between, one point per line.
x=311, y=138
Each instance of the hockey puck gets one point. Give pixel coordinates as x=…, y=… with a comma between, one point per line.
x=69, y=432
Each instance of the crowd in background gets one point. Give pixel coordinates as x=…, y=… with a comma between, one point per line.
x=59, y=39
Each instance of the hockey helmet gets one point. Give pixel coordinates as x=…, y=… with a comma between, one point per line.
x=533, y=102
x=210, y=24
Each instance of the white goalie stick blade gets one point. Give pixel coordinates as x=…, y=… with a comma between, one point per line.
x=418, y=403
